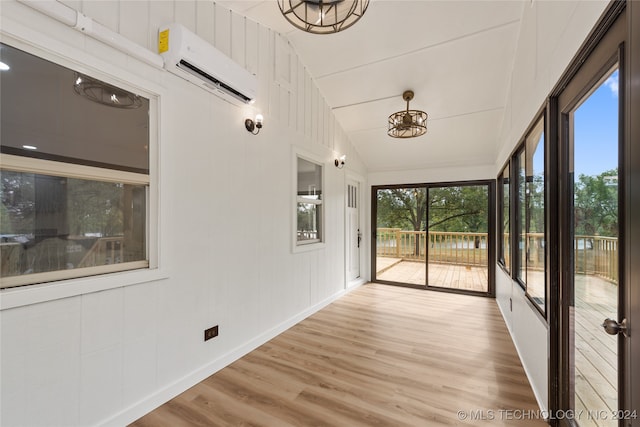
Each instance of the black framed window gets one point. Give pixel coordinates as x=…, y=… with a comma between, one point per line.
x=535, y=237
x=526, y=200
x=504, y=224
x=521, y=214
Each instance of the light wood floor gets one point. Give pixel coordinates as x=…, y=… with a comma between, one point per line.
x=379, y=356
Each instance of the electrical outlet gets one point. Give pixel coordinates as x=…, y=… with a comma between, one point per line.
x=211, y=333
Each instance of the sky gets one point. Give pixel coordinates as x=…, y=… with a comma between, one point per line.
x=596, y=130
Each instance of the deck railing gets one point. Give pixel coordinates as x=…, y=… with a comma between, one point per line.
x=59, y=254
x=444, y=247
x=594, y=255
x=597, y=255
x=106, y=250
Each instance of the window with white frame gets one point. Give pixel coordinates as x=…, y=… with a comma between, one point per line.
x=74, y=173
x=309, y=214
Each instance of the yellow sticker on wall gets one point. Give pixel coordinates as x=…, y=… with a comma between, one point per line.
x=163, y=41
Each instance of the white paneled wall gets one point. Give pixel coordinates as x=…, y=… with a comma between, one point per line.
x=225, y=228
x=285, y=84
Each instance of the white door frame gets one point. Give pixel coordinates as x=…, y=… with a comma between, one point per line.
x=351, y=178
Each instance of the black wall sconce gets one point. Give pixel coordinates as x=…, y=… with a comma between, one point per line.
x=254, y=127
x=340, y=161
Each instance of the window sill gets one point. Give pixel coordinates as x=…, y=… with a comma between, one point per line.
x=308, y=247
x=504, y=268
x=34, y=294
x=534, y=305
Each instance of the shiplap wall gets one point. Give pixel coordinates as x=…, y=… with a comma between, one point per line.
x=226, y=206
x=287, y=92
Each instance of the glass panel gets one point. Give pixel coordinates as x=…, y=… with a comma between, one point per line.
x=52, y=223
x=595, y=250
x=308, y=222
x=535, y=238
x=52, y=112
x=309, y=202
x=505, y=255
x=309, y=179
x=401, y=235
x=521, y=272
x=458, y=237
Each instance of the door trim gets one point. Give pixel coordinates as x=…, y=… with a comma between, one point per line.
x=350, y=178
x=631, y=193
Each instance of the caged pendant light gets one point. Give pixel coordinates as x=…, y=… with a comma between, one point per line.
x=323, y=16
x=407, y=123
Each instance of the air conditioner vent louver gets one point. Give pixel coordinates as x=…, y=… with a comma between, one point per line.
x=217, y=84
x=192, y=58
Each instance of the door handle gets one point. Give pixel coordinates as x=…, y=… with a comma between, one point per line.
x=614, y=328
x=359, y=237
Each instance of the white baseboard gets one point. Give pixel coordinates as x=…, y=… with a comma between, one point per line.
x=170, y=391
x=356, y=283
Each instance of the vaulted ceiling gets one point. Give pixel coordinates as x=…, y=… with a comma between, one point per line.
x=456, y=56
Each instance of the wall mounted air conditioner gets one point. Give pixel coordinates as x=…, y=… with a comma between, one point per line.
x=194, y=59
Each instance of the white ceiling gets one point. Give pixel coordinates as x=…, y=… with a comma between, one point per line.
x=456, y=56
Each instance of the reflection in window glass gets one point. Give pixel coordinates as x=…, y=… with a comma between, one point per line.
x=308, y=222
x=65, y=138
x=71, y=117
x=535, y=221
x=521, y=272
x=309, y=202
x=50, y=223
x=505, y=247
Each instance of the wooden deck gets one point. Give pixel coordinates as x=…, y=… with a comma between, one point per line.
x=596, y=352
x=379, y=356
x=441, y=275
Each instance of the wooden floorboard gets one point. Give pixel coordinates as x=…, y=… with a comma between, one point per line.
x=595, y=300
x=379, y=356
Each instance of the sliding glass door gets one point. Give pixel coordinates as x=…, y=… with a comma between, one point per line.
x=458, y=244
x=434, y=236
x=401, y=235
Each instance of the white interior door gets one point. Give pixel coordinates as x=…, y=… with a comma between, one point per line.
x=354, y=234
